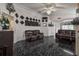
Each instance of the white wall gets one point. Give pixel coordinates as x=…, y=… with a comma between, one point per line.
x=19, y=29
x=64, y=14
x=48, y=31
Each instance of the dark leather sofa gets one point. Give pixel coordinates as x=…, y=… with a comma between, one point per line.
x=33, y=35
x=66, y=38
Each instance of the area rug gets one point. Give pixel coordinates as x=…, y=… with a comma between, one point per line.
x=38, y=48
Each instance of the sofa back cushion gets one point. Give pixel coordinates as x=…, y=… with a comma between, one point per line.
x=36, y=31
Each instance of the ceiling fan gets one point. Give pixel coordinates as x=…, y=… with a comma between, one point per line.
x=49, y=8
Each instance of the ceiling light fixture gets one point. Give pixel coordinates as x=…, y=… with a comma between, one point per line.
x=49, y=12
x=49, y=8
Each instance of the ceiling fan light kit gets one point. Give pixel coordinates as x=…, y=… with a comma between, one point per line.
x=48, y=12
x=49, y=8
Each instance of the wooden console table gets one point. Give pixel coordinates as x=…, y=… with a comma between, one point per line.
x=6, y=43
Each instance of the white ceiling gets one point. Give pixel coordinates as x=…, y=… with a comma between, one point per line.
x=69, y=8
x=37, y=6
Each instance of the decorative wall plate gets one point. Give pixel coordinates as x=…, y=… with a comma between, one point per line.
x=42, y=20
x=30, y=19
x=46, y=20
x=22, y=17
x=22, y=22
x=38, y=20
x=33, y=19
x=27, y=18
x=10, y=7
x=16, y=15
x=16, y=21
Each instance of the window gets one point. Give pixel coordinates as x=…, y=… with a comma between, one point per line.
x=68, y=27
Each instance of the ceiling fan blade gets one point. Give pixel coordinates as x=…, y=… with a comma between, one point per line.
x=42, y=11
x=53, y=9
x=60, y=7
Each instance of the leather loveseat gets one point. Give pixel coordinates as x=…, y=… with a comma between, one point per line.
x=32, y=35
x=66, y=38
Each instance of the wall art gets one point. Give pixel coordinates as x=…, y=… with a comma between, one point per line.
x=16, y=21
x=38, y=20
x=27, y=18
x=22, y=17
x=10, y=8
x=22, y=22
x=30, y=19
x=16, y=15
x=46, y=20
x=42, y=20
x=33, y=19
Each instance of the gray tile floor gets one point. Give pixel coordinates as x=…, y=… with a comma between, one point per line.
x=45, y=47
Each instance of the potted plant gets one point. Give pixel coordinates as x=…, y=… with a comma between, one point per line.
x=4, y=23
